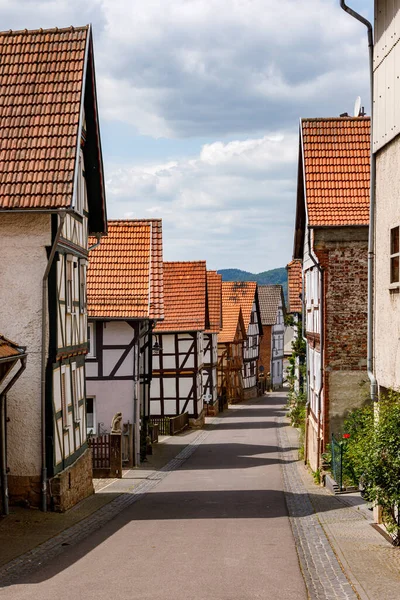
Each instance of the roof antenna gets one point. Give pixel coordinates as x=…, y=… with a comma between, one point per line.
x=358, y=111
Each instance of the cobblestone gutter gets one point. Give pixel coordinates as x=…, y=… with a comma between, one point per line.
x=322, y=572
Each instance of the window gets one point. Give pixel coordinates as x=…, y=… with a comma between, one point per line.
x=90, y=415
x=70, y=284
x=75, y=392
x=80, y=192
x=394, y=255
x=64, y=400
x=82, y=286
x=91, y=337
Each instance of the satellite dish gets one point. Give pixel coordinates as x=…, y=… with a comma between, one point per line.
x=357, y=107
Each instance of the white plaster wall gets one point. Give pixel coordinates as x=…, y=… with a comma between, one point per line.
x=387, y=302
x=117, y=333
x=111, y=397
x=23, y=241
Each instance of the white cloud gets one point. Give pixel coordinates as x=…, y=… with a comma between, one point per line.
x=230, y=201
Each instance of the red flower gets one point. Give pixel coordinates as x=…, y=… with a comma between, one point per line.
x=346, y=436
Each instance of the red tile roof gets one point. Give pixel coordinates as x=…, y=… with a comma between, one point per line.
x=294, y=270
x=185, y=297
x=337, y=170
x=242, y=293
x=9, y=349
x=270, y=297
x=232, y=318
x=125, y=274
x=41, y=83
x=214, y=294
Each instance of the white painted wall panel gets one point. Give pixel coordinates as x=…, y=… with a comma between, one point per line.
x=117, y=333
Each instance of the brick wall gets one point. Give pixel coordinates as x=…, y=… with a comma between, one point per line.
x=344, y=322
x=265, y=349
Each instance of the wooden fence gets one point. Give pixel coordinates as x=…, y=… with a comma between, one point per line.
x=171, y=425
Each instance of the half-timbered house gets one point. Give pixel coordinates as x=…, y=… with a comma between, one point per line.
x=51, y=197
x=294, y=328
x=331, y=239
x=125, y=300
x=214, y=294
x=272, y=307
x=245, y=294
x=178, y=354
x=230, y=352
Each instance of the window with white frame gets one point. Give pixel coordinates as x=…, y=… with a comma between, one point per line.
x=75, y=392
x=70, y=283
x=82, y=285
x=80, y=192
x=91, y=336
x=394, y=255
x=64, y=398
x=91, y=414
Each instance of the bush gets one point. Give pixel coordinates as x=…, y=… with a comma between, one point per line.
x=373, y=451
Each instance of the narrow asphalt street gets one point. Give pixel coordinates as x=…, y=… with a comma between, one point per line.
x=216, y=528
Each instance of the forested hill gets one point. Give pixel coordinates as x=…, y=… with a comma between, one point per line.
x=264, y=278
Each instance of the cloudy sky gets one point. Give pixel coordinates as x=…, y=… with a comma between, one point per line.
x=199, y=105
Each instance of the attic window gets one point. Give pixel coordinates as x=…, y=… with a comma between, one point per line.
x=394, y=255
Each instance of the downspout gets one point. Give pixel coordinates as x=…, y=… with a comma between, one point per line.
x=371, y=231
x=98, y=236
x=45, y=285
x=3, y=451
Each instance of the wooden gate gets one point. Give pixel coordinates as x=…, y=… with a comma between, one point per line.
x=107, y=455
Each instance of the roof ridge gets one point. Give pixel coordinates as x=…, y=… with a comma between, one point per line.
x=184, y=262
x=41, y=30
x=340, y=119
x=134, y=220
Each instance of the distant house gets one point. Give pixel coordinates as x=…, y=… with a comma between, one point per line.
x=331, y=240
x=230, y=352
x=11, y=357
x=245, y=295
x=272, y=308
x=125, y=301
x=52, y=196
x=294, y=309
x=210, y=342
x=178, y=352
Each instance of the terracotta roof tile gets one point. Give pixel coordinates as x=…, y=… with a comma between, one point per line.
x=41, y=78
x=9, y=349
x=125, y=274
x=270, y=297
x=294, y=270
x=185, y=296
x=231, y=318
x=242, y=293
x=214, y=294
x=337, y=170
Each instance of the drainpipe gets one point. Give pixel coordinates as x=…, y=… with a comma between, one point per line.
x=3, y=450
x=45, y=285
x=371, y=231
x=98, y=237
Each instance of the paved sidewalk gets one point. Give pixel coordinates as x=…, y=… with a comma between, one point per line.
x=371, y=563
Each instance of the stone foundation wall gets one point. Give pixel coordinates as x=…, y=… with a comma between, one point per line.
x=73, y=484
x=213, y=409
x=199, y=422
x=250, y=393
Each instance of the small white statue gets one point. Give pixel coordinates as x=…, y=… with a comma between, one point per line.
x=116, y=423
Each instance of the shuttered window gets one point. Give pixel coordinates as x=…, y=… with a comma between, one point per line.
x=64, y=402
x=70, y=284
